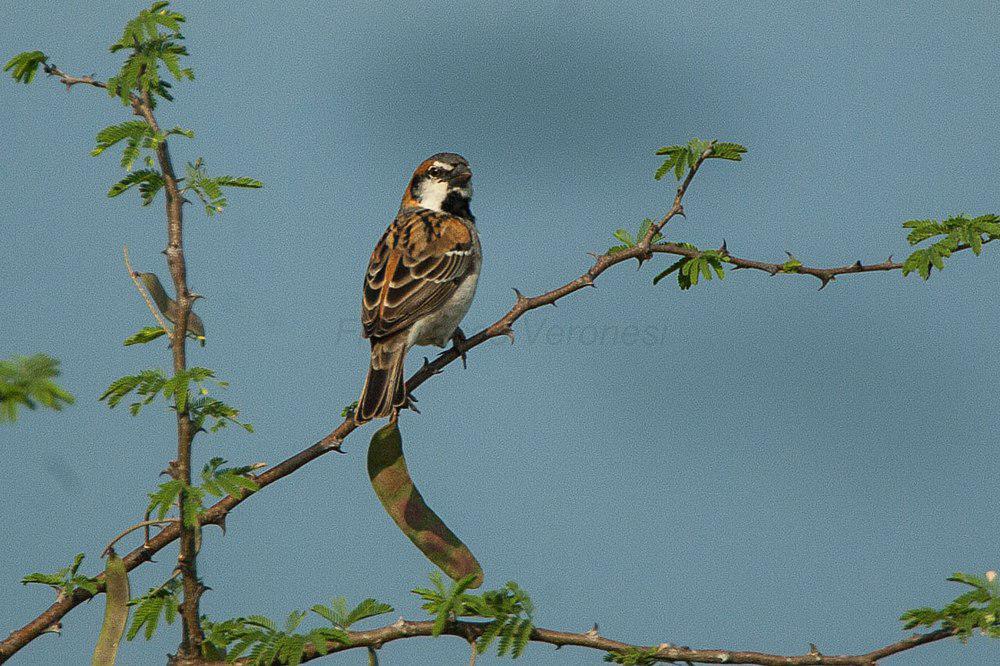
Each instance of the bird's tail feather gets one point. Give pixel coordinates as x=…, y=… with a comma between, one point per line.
x=384, y=390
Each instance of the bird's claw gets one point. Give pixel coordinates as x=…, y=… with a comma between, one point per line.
x=458, y=340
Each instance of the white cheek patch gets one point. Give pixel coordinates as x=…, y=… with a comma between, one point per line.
x=432, y=193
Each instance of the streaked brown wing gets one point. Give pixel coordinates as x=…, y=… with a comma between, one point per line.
x=414, y=270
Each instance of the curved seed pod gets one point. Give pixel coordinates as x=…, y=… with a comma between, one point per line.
x=168, y=306
x=115, y=612
x=402, y=501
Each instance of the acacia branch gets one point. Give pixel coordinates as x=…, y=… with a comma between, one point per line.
x=665, y=652
x=216, y=514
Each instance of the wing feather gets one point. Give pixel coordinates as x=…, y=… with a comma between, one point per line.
x=415, y=269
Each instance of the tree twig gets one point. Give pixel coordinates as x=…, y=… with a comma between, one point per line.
x=137, y=526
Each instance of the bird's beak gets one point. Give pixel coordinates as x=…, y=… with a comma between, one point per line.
x=461, y=175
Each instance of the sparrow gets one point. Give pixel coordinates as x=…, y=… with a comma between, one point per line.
x=420, y=280
x=168, y=306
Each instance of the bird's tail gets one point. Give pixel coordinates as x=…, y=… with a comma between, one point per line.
x=384, y=390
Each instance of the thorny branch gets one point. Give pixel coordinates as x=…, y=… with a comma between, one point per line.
x=665, y=652
x=216, y=514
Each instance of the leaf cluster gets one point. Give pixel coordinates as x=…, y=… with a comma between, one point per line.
x=953, y=233
x=627, y=241
x=145, y=335
x=169, y=493
x=149, y=48
x=187, y=391
x=159, y=602
x=263, y=642
x=976, y=609
x=509, y=610
x=66, y=580
x=690, y=269
x=209, y=188
x=633, y=656
x=24, y=66
x=221, y=481
x=681, y=158
x=26, y=381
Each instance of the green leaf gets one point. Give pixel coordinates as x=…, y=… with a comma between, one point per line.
x=977, y=609
x=238, y=181
x=633, y=656
x=144, y=335
x=26, y=381
x=161, y=602
x=164, y=499
x=151, y=179
x=221, y=481
x=625, y=237
x=728, y=151
x=24, y=66
x=66, y=580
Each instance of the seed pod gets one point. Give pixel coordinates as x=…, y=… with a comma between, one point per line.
x=116, y=595
x=403, y=502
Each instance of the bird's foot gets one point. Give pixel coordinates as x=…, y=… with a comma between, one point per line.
x=458, y=341
x=410, y=403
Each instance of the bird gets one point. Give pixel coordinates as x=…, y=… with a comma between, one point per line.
x=168, y=306
x=420, y=281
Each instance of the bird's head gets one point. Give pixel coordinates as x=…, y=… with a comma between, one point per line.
x=442, y=182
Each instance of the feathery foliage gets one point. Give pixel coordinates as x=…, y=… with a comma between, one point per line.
x=952, y=234
x=66, y=580
x=633, y=656
x=202, y=408
x=148, y=48
x=627, y=241
x=159, y=602
x=26, y=381
x=145, y=335
x=976, y=609
x=690, y=269
x=509, y=610
x=260, y=639
x=681, y=158
x=24, y=66
x=221, y=481
x=209, y=189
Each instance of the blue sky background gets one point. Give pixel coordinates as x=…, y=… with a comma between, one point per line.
x=772, y=466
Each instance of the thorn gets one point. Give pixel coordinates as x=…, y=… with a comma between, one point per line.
x=790, y=255
x=221, y=522
x=553, y=304
x=194, y=296
x=400, y=623
x=592, y=632
x=825, y=280
x=814, y=651
x=510, y=334
x=724, y=249
x=889, y=260
x=596, y=257
x=520, y=297
x=54, y=629
x=857, y=264
x=680, y=211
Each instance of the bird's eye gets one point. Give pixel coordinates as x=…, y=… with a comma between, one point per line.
x=435, y=171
